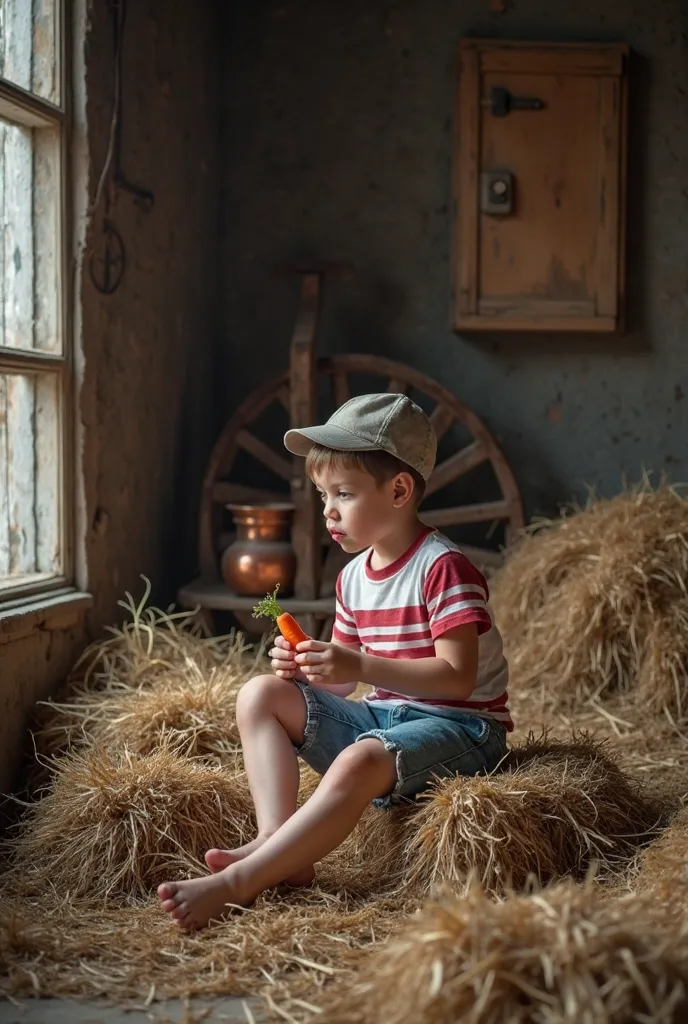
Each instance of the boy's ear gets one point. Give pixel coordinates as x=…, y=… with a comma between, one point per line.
x=403, y=488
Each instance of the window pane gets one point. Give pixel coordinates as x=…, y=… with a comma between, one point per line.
x=29, y=250
x=29, y=46
x=30, y=512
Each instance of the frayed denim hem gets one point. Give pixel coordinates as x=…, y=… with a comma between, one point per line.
x=394, y=798
x=312, y=712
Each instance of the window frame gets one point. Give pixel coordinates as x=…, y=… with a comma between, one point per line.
x=28, y=110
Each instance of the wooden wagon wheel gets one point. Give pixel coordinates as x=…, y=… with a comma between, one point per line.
x=338, y=373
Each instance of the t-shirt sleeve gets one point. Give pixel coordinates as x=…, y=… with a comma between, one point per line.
x=456, y=594
x=344, y=629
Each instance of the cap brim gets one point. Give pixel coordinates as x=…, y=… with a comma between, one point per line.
x=300, y=442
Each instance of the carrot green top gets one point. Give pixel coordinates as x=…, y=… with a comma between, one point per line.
x=268, y=606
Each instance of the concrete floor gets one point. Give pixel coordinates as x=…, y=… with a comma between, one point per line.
x=68, y=1011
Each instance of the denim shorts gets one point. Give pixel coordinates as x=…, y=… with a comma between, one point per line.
x=429, y=743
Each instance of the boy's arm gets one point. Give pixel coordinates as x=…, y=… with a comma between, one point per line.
x=451, y=674
x=455, y=594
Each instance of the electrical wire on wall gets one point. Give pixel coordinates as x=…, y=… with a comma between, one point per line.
x=107, y=260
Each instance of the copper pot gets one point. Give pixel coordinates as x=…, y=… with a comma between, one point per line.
x=262, y=555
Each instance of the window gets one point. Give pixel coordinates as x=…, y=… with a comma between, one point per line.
x=35, y=365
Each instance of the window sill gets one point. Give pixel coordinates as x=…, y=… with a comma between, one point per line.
x=60, y=609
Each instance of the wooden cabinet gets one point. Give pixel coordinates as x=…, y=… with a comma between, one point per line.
x=539, y=186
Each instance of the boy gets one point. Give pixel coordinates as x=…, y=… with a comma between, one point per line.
x=411, y=619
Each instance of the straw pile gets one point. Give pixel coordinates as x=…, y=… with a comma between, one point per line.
x=664, y=864
x=155, y=679
x=151, y=778
x=557, y=808
x=115, y=825
x=193, y=711
x=596, y=604
x=152, y=643
x=563, y=956
x=284, y=950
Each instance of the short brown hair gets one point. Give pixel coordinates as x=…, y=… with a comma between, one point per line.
x=377, y=463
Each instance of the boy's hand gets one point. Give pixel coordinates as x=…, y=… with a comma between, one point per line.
x=328, y=663
x=283, y=659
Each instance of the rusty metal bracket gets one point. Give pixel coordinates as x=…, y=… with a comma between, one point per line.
x=501, y=102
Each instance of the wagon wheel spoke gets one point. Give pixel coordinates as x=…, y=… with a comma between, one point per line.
x=442, y=418
x=397, y=386
x=463, y=515
x=261, y=451
x=340, y=388
x=457, y=465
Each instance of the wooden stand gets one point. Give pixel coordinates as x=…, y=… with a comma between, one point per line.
x=319, y=561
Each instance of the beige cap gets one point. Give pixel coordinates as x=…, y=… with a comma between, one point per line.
x=385, y=422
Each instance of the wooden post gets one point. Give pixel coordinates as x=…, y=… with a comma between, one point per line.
x=303, y=408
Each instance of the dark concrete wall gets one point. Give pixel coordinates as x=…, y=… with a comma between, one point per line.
x=146, y=353
x=337, y=132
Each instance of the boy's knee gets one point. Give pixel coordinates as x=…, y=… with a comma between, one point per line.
x=256, y=695
x=367, y=759
x=264, y=696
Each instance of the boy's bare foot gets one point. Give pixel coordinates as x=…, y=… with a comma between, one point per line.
x=196, y=901
x=218, y=860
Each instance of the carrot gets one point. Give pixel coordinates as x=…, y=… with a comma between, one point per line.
x=286, y=623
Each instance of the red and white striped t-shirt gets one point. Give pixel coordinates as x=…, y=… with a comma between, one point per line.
x=399, y=612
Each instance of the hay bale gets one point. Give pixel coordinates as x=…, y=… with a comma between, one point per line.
x=151, y=643
x=596, y=604
x=663, y=866
x=154, y=676
x=194, y=710
x=154, y=644
x=113, y=825
x=557, y=808
x=563, y=956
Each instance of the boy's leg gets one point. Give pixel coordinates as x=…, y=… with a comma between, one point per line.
x=320, y=724
x=363, y=771
x=271, y=716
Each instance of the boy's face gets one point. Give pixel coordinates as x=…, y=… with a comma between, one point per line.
x=358, y=510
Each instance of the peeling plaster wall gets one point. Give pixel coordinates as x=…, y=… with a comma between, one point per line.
x=146, y=408
x=338, y=146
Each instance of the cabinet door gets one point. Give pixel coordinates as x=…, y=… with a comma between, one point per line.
x=539, y=187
